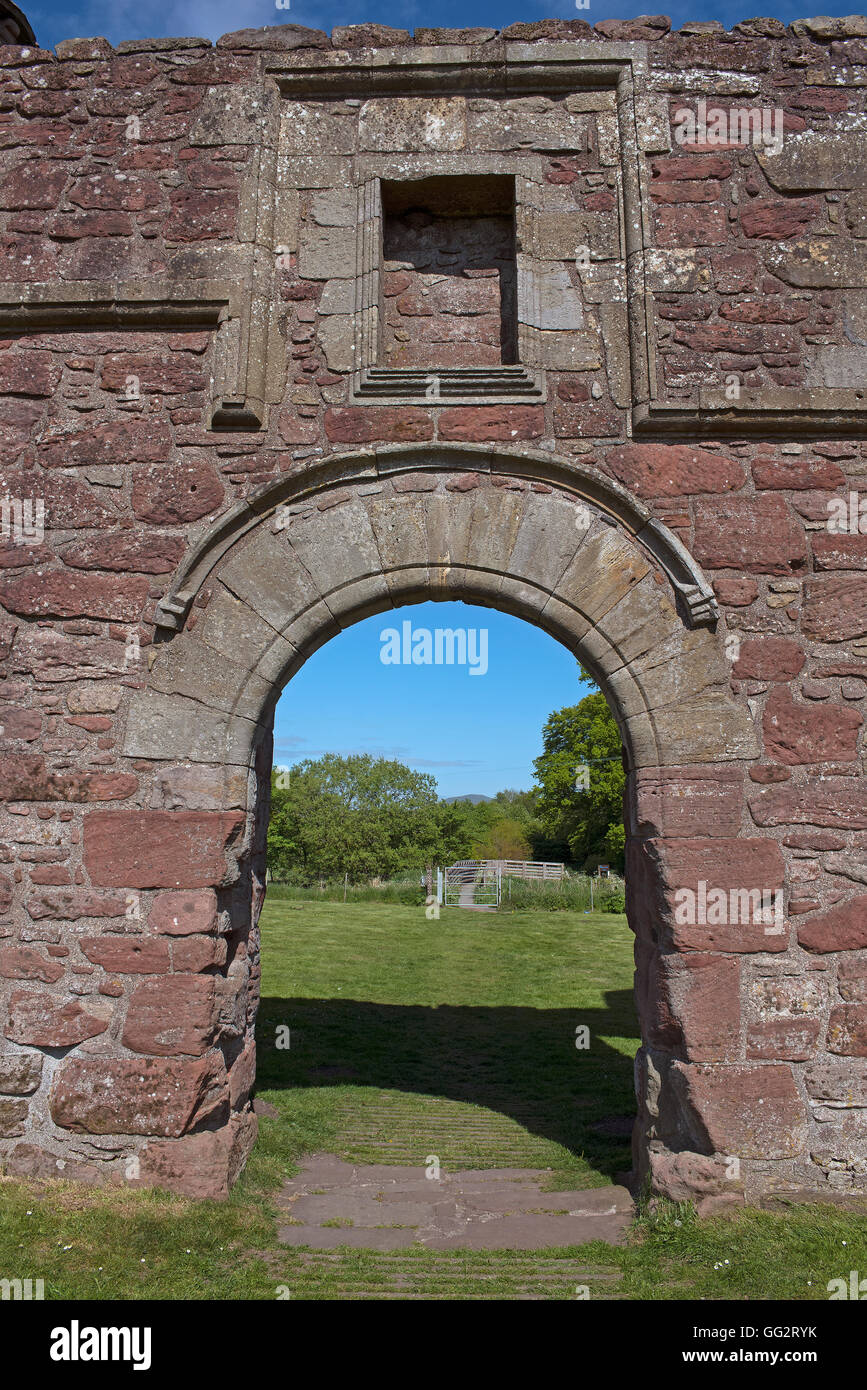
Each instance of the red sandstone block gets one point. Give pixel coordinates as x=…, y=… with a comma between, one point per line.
x=201, y=1165
x=169, y=493
x=691, y=225
x=184, y=914
x=71, y=904
x=686, y=167
x=704, y=994
x=107, y=1095
x=734, y=272
x=769, y=659
x=110, y=786
x=662, y=872
x=171, y=375
x=114, y=441
x=192, y=954
x=847, y=1030
x=835, y=607
x=294, y=430
x=479, y=424
x=200, y=216
x=44, y=1020
x=25, y=724
x=839, y=802
x=797, y=734
x=774, y=219
x=685, y=191
x=770, y=309
x=842, y=928
x=585, y=422
x=783, y=1039
x=820, y=99
x=832, y=552
x=736, y=591
x=689, y=801
x=720, y=337
x=70, y=594
x=752, y=1111
x=38, y=183
x=158, y=849
x=28, y=373
x=369, y=424
x=124, y=551
x=756, y=534
x=52, y=874
x=113, y=190
x=852, y=978
x=172, y=1015
x=128, y=955
x=28, y=963
x=242, y=1075
x=673, y=470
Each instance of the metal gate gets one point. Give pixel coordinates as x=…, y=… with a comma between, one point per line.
x=473, y=883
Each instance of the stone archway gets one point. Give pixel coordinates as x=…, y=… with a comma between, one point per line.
x=554, y=544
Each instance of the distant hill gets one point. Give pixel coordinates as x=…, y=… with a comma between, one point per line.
x=473, y=797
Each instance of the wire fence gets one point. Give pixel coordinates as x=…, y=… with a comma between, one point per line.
x=573, y=892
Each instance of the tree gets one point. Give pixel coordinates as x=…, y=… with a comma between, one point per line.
x=358, y=815
x=504, y=839
x=581, y=781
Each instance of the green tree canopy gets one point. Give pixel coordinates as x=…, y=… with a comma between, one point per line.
x=368, y=817
x=584, y=809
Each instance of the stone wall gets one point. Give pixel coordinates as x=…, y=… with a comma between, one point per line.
x=248, y=395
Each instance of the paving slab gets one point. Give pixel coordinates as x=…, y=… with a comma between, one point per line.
x=388, y=1207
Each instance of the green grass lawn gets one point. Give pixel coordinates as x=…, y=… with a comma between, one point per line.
x=454, y=1037
x=410, y=1037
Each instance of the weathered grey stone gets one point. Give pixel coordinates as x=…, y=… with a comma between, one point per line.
x=551, y=531
x=338, y=545
x=336, y=333
x=495, y=516
x=570, y=351
x=601, y=573
x=173, y=727
x=235, y=631
x=837, y=366
x=454, y=36
x=312, y=128
x=20, y=1074
x=821, y=262
x=549, y=300
x=813, y=159
x=198, y=671
x=327, y=253
x=269, y=577
x=850, y=26
x=336, y=208
x=413, y=123
x=233, y=115
x=532, y=123
x=338, y=297
x=282, y=38
x=163, y=45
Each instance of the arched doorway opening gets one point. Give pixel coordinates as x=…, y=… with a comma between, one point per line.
x=532, y=536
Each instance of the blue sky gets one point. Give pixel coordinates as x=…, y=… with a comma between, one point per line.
x=474, y=733
x=128, y=19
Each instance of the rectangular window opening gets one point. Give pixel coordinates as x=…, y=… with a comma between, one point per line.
x=449, y=285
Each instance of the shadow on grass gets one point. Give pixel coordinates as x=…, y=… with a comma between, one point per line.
x=520, y=1062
